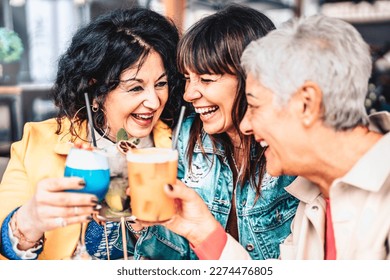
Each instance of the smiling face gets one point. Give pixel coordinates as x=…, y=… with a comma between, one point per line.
x=212, y=96
x=277, y=129
x=137, y=103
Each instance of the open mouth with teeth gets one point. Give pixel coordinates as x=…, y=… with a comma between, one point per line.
x=143, y=116
x=206, y=111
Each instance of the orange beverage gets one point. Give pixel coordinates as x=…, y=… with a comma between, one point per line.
x=149, y=170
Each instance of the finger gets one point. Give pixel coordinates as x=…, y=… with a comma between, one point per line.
x=181, y=191
x=61, y=184
x=66, y=199
x=66, y=221
x=66, y=212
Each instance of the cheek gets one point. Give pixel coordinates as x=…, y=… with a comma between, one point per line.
x=226, y=105
x=163, y=100
x=259, y=126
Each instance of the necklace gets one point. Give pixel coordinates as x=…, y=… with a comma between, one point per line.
x=234, y=162
x=235, y=165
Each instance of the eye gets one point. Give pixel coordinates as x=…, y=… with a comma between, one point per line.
x=135, y=89
x=251, y=107
x=161, y=84
x=209, y=78
x=206, y=81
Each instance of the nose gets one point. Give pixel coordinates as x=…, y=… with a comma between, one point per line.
x=192, y=91
x=151, y=99
x=245, y=125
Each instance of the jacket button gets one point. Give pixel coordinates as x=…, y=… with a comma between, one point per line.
x=249, y=247
x=315, y=207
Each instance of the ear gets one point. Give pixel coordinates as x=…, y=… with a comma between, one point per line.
x=310, y=97
x=95, y=103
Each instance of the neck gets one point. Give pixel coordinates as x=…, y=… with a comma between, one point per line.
x=335, y=153
x=235, y=139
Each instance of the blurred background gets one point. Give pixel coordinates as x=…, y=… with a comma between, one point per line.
x=33, y=33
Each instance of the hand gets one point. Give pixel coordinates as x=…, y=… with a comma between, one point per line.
x=193, y=220
x=51, y=204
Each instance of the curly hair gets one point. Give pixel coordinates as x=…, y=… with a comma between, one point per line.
x=100, y=51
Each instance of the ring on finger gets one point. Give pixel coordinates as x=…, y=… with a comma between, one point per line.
x=59, y=221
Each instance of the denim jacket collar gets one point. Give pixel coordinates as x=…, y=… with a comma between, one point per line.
x=208, y=147
x=207, y=144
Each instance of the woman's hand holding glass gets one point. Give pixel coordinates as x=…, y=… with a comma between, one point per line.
x=193, y=220
x=92, y=166
x=53, y=206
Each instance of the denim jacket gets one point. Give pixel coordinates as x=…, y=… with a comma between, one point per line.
x=262, y=225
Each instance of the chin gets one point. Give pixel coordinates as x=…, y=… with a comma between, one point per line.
x=212, y=130
x=274, y=171
x=140, y=132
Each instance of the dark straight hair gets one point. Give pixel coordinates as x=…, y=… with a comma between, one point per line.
x=214, y=45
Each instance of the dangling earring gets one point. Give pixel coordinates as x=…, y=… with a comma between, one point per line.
x=95, y=106
x=95, y=109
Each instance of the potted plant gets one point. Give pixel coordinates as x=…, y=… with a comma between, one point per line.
x=11, y=50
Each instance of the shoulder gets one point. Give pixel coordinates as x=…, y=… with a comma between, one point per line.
x=39, y=131
x=162, y=135
x=47, y=125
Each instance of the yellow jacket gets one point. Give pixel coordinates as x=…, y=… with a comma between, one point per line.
x=41, y=154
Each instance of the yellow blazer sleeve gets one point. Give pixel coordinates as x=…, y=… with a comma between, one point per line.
x=34, y=158
x=162, y=135
x=15, y=187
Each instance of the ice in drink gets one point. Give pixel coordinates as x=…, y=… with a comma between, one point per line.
x=149, y=170
x=116, y=198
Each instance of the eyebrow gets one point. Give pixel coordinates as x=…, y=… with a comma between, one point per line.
x=140, y=80
x=251, y=95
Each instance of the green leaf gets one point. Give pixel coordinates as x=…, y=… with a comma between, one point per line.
x=121, y=135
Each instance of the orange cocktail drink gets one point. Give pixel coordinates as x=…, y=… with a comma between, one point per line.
x=149, y=170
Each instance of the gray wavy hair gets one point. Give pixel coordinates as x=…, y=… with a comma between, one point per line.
x=327, y=51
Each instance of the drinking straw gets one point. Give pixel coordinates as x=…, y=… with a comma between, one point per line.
x=90, y=122
x=124, y=240
x=180, y=121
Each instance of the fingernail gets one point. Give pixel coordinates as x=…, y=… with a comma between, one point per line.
x=82, y=183
x=170, y=187
x=97, y=207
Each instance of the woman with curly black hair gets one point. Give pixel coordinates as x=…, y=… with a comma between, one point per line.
x=126, y=61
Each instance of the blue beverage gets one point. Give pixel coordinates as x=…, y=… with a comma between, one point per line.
x=93, y=167
x=96, y=181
